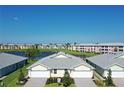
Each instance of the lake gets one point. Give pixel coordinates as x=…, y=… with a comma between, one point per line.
x=41, y=54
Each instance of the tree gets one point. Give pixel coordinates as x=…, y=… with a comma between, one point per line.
x=41, y=45
x=31, y=53
x=36, y=46
x=66, y=79
x=47, y=46
x=115, y=49
x=50, y=45
x=109, y=81
x=75, y=43
x=21, y=76
x=67, y=45
x=2, y=83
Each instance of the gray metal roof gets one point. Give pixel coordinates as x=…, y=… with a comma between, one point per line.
x=9, y=59
x=60, y=63
x=107, y=60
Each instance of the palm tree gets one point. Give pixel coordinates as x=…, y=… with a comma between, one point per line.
x=115, y=49
x=1, y=46
x=36, y=46
x=67, y=45
x=7, y=46
x=31, y=53
x=56, y=45
x=40, y=45
x=50, y=44
x=75, y=43
x=25, y=46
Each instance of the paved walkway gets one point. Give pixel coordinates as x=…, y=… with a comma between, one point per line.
x=36, y=82
x=119, y=82
x=84, y=82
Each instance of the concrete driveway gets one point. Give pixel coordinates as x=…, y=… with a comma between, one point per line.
x=119, y=82
x=36, y=82
x=84, y=82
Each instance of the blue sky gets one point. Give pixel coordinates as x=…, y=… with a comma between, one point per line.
x=61, y=24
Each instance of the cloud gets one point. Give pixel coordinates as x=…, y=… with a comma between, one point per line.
x=15, y=18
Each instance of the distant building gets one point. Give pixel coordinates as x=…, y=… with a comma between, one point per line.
x=102, y=48
x=15, y=46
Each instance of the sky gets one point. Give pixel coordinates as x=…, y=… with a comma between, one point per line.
x=61, y=24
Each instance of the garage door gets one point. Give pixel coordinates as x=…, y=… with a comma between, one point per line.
x=117, y=74
x=81, y=74
x=37, y=74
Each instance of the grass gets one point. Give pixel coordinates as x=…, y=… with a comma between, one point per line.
x=11, y=79
x=56, y=85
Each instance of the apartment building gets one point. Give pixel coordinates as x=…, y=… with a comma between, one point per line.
x=100, y=47
x=15, y=46
x=27, y=46
x=89, y=47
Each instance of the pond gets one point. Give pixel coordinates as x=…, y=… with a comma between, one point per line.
x=41, y=54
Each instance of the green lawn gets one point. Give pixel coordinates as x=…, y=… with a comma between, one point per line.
x=11, y=79
x=56, y=85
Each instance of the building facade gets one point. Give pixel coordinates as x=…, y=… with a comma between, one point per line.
x=55, y=66
x=102, y=48
x=10, y=63
x=105, y=62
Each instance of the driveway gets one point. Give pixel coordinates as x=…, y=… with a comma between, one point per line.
x=119, y=82
x=84, y=82
x=36, y=82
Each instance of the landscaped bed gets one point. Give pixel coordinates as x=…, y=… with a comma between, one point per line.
x=57, y=85
x=52, y=82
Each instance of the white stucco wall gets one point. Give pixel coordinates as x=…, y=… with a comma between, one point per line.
x=121, y=56
x=116, y=68
x=81, y=71
x=81, y=74
x=39, y=74
x=61, y=56
x=39, y=67
x=60, y=73
x=81, y=67
x=117, y=72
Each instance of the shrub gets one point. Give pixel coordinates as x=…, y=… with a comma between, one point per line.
x=51, y=80
x=109, y=81
x=2, y=84
x=32, y=53
x=67, y=81
x=21, y=78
